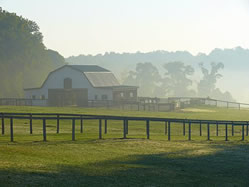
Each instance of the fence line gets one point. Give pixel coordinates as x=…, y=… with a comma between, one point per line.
x=209, y=101
x=142, y=103
x=168, y=122
x=139, y=105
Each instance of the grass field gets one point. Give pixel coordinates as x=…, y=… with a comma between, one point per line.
x=114, y=161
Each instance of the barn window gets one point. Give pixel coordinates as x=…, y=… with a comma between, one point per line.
x=122, y=94
x=96, y=97
x=33, y=96
x=43, y=97
x=104, y=97
x=67, y=83
x=131, y=94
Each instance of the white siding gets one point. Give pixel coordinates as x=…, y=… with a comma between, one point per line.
x=79, y=80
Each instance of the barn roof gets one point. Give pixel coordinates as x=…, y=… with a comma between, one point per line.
x=102, y=79
x=96, y=75
x=88, y=68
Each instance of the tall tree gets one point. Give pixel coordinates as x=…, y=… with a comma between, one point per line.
x=177, y=78
x=207, y=85
x=24, y=60
x=147, y=78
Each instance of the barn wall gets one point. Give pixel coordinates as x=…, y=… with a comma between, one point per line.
x=56, y=80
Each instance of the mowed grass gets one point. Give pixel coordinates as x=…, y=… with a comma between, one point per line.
x=114, y=161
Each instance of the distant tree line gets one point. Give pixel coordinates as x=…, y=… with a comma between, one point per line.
x=24, y=60
x=177, y=80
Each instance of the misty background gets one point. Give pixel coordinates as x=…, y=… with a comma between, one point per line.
x=167, y=48
x=232, y=77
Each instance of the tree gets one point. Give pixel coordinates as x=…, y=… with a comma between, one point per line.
x=147, y=78
x=177, y=79
x=207, y=85
x=24, y=60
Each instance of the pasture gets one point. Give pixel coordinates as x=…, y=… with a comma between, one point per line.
x=114, y=161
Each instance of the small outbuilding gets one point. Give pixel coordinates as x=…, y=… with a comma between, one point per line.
x=78, y=84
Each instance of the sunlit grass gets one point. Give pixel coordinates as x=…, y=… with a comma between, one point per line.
x=114, y=161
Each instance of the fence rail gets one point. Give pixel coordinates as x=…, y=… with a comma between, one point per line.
x=142, y=103
x=209, y=101
x=122, y=104
x=168, y=122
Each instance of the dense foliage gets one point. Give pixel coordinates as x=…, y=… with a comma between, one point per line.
x=201, y=83
x=24, y=60
x=177, y=80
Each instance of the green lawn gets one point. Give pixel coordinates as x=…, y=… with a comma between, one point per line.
x=114, y=161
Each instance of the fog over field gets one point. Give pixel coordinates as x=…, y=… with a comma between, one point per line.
x=205, y=44
x=234, y=74
x=124, y=93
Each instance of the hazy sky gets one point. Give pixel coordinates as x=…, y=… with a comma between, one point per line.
x=75, y=27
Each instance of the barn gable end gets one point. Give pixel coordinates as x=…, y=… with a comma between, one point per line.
x=75, y=83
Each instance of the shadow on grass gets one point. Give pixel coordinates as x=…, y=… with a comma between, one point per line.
x=69, y=141
x=227, y=166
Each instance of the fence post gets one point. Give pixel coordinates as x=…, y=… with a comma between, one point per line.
x=217, y=129
x=2, y=124
x=200, y=129
x=30, y=124
x=208, y=131
x=148, y=128
x=232, y=129
x=11, y=130
x=44, y=130
x=246, y=128
x=105, y=126
x=81, y=124
x=58, y=124
x=189, y=131
x=100, y=129
x=124, y=129
x=73, y=130
x=226, y=133
x=243, y=132
x=165, y=128
x=127, y=127
x=169, y=131
x=184, y=127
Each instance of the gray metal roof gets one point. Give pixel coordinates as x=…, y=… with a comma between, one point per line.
x=88, y=68
x=97, y=76
x=102, y=79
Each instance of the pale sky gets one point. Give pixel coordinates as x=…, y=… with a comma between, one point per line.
x=74, y=27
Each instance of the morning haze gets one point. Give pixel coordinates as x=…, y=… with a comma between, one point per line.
x=124, y=93
x=201, y=32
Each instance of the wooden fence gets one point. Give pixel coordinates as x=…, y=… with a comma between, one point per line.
x=143, y=103
x=186, y=124
x=123, y=105
x=186, y=101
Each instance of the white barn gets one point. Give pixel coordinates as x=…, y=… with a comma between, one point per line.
x=79, y=84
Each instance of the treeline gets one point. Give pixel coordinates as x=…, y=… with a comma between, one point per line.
x=177, y=80
x=24, y=60
x=235, y=59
